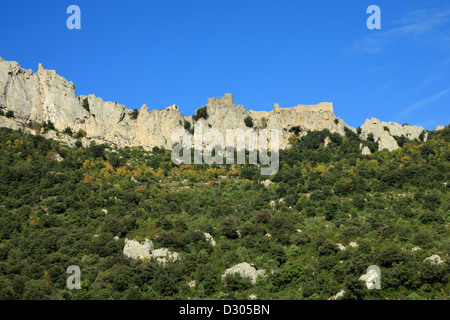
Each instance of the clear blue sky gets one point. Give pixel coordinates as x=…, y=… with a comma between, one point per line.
x=287, y=51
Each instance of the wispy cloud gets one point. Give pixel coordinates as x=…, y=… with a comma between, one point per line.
x=418, y=24
x=423, y=103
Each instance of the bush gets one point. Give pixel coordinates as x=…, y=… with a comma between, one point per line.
x=248, y=121
x=10, y=114
x=235, y=281
x=68, y=131
x=81, y=134
x=134, y=114
x=86, y=104
x=201, y=113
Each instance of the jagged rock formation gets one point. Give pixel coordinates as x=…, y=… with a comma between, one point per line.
x=46, y=96
x=245, y=270
x=384, y=132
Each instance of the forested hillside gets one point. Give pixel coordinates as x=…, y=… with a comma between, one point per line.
x=63, y=206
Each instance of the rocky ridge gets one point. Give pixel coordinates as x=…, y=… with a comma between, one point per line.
x=46, y=96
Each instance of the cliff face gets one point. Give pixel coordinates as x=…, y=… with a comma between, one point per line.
x=46, y=96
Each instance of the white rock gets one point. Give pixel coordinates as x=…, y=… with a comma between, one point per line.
x=341, y=247
x=245, y=270
x=266, y=183
x=163, y=255
x=210, y=239
x=192, y=284
x=365, y=151
x=416, y=249
x=134, y=250
x=105, y=211
x=353, y=244
x=337, y=295
x=370, y=278
x=434, y=259
x=439, y=127
x=252, y=297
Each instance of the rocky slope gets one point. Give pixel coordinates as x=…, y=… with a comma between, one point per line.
x=46, y=96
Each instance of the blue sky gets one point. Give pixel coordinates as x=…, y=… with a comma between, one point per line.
x=287, y=51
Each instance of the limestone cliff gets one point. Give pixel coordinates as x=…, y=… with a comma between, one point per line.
x=46, y=96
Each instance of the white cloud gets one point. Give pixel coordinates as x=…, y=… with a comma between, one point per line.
x=424, y=102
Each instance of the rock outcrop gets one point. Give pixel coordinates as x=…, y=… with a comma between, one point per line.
x=434, y=259
x=135, y=250
x=245, y=270
x=384, y=132
x=209, y=238
x=45, y=96
x=163, y=255
x=371, y=279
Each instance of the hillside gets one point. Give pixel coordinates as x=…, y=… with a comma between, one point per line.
x=311, y=231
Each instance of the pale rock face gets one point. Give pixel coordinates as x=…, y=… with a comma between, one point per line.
x=266, y=183
x=338, y=295
x=56, y=157
x=46, y=96
x=245, y=270
x=135, y=250
x=341, y=247
x=163, y=255
x=210, y=239
x=365, y=151
x=370, y=279
x=353, y=244
x=439, y=127
x=385, y=137
x=434, y=259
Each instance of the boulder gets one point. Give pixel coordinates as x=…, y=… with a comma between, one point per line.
x=135, y=250
x=210, y=239
x=434, y=259
x=371, y=278
x=245, y=270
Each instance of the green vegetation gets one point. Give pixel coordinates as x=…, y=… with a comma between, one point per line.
x=248, y=122
x=9, y=114
x=201, y=113
x=52, y=216
x=86, y=104
x=134, y=114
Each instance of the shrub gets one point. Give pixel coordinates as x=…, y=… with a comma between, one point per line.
x=68, y=131
x=201, y=113
x=81, y=134
x=10, y=114
x=86, y=104
x=134, y=114
x=235, y=281
x=248, y=121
